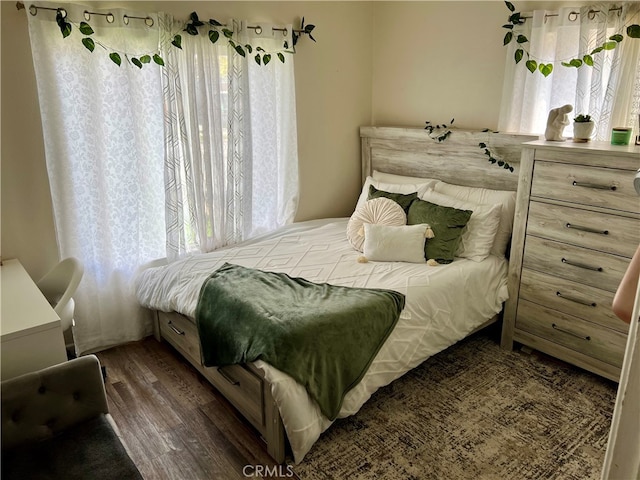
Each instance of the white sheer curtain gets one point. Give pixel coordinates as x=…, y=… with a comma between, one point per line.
x=607, y=91
x=103, y=131
x=231, y=165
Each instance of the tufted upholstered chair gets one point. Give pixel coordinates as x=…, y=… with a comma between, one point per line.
x=55, y=424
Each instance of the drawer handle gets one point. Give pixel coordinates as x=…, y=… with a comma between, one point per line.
x=595, y=185
x=587, y=229
x=569, y=332
x=576, y=300
x=227, y=377
x=582, y=265
x=176, y=330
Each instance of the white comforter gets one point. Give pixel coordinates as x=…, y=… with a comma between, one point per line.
x=443, y=305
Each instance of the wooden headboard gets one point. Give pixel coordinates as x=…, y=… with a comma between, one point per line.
x=458, y=159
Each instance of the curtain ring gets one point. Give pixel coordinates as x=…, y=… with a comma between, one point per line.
x=125, y=19
x=87, y=15
x=110, y=18
x=258, y=30
x=575, y=16
x=592, y=14
x=148, y=21
x=62, y=12
x=285, y=32
x=33, y=10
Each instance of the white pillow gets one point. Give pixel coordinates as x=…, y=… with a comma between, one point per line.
x=394, y=244
x=404, y=188
x=486, y=196
x=401, y=179
x=377, y=210
x=479, y=234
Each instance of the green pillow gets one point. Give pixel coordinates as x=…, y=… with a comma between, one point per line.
x=402, y=199
x=447, y=224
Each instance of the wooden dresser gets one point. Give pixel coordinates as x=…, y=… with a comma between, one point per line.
x=577, y=225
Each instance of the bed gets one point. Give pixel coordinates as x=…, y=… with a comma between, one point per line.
x=444, y=303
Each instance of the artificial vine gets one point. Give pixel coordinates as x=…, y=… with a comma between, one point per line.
x=192, y=27
x=441, y=132
x=515, y=19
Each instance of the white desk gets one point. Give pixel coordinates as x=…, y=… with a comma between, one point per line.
x=31, y=332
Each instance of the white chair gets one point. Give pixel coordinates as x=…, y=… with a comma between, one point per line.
x=58, y=286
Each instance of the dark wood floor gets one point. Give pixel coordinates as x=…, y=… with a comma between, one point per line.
x=175, y=424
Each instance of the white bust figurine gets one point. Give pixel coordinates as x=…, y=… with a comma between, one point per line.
x=557, y=120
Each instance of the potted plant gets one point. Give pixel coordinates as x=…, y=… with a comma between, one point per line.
x=582, y=128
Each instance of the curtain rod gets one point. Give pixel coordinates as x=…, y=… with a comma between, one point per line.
x=147, y=20
x=573, y=16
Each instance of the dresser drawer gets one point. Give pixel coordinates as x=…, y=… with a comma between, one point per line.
x=579, y=264
x=600, y=231
x=595, y=186
x=182, y=333
x=589, y=303
x=572, y=332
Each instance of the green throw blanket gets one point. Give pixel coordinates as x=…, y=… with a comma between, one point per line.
x=324, y=336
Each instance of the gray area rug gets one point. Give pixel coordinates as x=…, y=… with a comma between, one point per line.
x=474, y=411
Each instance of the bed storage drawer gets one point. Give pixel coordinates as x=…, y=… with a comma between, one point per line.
x=595, y=186
x=182, y=333
x=584, y=301
x=598, y=342
x=243, y=387
x=606, y=233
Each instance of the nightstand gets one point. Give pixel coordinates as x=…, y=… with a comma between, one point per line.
x=576, y=227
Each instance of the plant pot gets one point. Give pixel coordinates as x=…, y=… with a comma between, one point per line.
x=582, y=131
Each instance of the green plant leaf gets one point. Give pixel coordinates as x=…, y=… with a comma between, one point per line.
x=136, y=62
x=177, y=41
x=214, y=23
x=259, y=49
x=191, y=29
x=227, y=33
x=501, y=163
x=616, y=38
x=158, y=59
x=482, y=145
x=266, y=58
x=515, y=18
x=566, y=64
x=88, y=43
x=214, y=36
x=145, y=59
x=240, y=50
x=522, y=39
x=257, y=59
x=508, y=26
x=576, y=62
x=510, y=6
x=633, y=31
x=518, y=55
x=248, y=48
x=281, y=57
x=588, y=60
x=609, y=45
x=115, y=58
x=531, y=65
x=196, y=21
x=596, y=50
x=507, y=38
x=545, y=69
x=85, y=28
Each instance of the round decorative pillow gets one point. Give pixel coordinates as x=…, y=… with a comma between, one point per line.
x=379, y=211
